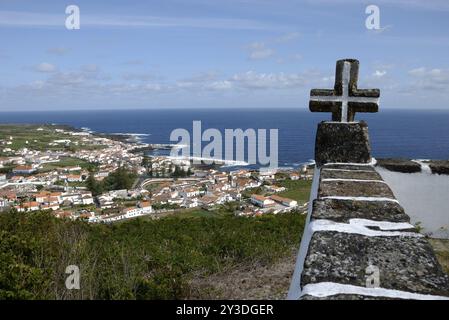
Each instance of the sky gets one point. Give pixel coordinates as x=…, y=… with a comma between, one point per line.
x=218, y=53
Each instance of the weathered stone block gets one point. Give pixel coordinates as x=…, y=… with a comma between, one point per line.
x=348, y=167
x=342, y=142
x=399, y=165
x=344, y=210
x=353, y=174
x=405, y=263
x=354, y=189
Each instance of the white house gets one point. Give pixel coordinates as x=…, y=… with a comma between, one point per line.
x=73, y=168
x=267, y=174
x=86, y=199
x=261, y=201
x=23, y=170
x=53, y=207
x=74, y=178
x=190, y=203
x=275, y=188
x=28, y=206
x=208, y=200
x=190, y=192
x=294, y=176
x=146, y=207
x=285, y=201
x=132, y=212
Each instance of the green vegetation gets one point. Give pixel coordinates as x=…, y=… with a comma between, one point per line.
x=197, y=213
x=147, y=164
x=181, y=173
x=298, y=190
x=218, y=211
x=69, y=162
x=166, y=206
x=154, y=187
x=40, y=139
x=137, y=259
x=246, y=194
x=122, y=178
x=6, y=169
x=441, y=249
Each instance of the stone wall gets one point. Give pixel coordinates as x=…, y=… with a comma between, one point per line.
x=358, y=242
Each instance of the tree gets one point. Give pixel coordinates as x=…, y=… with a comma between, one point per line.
x=147, y=163
x=120, y=179
x=179, y=172
x=93, y=185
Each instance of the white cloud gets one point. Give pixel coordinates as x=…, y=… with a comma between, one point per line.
x=220, y=85
x=425, y=79
x=153, y=87
x=90, y=68
x=254, y=80
x=35, y=19
x=291, y=58
x=258, y=51
x=288, y=37
x=263, y=49
x=92, y=86
x=379, y=73
x=45, y=67
x=88, y=74
x=137, y=76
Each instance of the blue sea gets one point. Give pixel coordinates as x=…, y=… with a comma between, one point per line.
x=393, y=133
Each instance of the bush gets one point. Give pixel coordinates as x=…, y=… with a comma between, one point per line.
x=137, y=259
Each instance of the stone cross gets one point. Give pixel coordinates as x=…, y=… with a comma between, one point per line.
x=345, y=99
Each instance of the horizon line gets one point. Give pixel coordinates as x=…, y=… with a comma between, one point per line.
x=202, y=109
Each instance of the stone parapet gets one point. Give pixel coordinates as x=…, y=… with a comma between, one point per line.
x=359, y=244
x=338, y=142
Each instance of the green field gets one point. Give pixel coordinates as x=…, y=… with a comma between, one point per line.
x=298, y=190
x=67, y=162
x=39, y=139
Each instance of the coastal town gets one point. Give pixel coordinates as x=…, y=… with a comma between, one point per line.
x=78, y=174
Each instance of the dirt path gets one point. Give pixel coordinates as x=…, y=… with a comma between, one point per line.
x=247, y=282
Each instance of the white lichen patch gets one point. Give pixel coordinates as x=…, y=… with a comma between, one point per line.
x=326, y=289
x=360, y=226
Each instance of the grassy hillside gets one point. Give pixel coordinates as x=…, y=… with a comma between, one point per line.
x=139, y=259
x=298, y=190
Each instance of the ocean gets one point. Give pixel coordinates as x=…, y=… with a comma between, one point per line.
x=394, y=133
